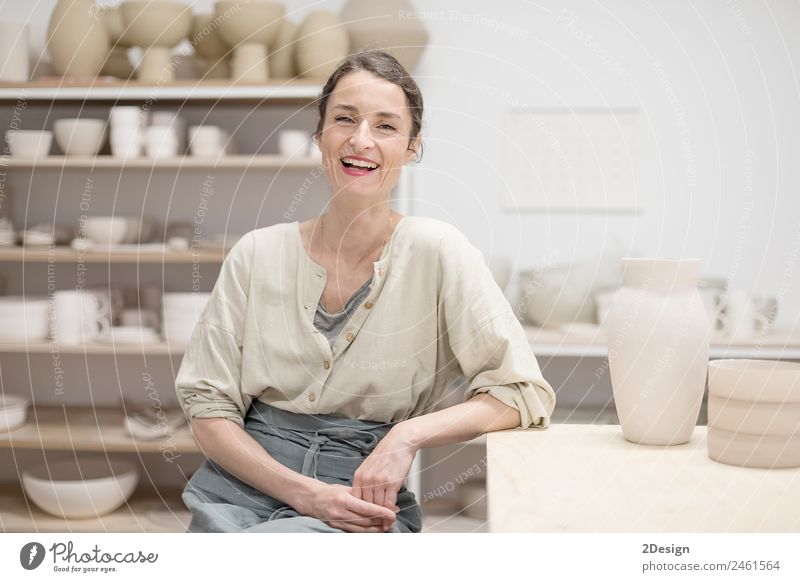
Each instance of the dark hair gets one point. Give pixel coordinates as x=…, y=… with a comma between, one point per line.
x=384, y=66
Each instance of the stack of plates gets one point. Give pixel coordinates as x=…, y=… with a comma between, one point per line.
x=13, y=410
x=754, y=413
x=130, y=334
x=180, y=314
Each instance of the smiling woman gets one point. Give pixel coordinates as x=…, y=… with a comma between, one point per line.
x=298, y=438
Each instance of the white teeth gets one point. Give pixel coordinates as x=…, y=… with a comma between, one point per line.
x=360, y=163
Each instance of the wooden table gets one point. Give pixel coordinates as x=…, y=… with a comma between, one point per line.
x=588, y=478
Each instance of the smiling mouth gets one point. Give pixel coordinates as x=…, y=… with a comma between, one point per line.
x=356, y=168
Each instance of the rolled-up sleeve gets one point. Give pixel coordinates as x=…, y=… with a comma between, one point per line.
x=485, y=336
x=208, y=382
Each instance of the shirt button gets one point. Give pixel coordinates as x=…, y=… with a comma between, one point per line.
x=369, y=304
x=350, y=336
x=382, y=272
x=327, y=364
x=312, y=397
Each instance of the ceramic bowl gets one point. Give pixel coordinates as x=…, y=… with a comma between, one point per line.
x=80, y=137
x=753, y=450
x=755, y=380
x=24, y=318
x=89, y=487
x=13, y=411
x=768, y=418
x=107, y=230
x=29, y=143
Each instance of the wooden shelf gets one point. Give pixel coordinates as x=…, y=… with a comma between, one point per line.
x=91, y=349
x=100, y=89
x=60, y=254
x=779, y=344
x=17, y=514
x=86, y=428
x=240, y=162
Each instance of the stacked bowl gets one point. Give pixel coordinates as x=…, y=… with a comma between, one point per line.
x=754, y=413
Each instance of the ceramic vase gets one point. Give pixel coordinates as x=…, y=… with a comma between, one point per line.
x=658, y=345
x=391, y=25
x=281, y=59
x=77, y=39
x=322, y=43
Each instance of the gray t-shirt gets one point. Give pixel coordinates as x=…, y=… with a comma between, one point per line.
x=331, y=324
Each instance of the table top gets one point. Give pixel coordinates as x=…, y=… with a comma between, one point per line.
x=588, y=478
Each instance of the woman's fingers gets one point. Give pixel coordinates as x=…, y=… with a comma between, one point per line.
x=367, y=509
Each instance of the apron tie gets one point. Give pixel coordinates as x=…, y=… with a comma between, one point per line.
x=362, y=440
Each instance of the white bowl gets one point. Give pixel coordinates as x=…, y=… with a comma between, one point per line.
x=755, y=380
x=107, y=230
x=768, y=418
x=91, y=487
x=29, y=143
x=13, y=411
x=24, y=318
x=754, y=450
x=80, y=137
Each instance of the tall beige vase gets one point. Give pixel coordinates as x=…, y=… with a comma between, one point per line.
x=392, y=25
x=77, y=39
x=658, y=345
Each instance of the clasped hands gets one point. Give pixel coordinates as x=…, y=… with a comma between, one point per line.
x=370, y=505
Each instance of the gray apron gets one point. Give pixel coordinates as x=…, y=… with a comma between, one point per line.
x=322, y=446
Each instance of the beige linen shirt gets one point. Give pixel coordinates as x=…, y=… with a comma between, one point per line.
x=434, y=313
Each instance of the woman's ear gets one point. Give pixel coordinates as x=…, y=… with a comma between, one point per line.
x=414, y=148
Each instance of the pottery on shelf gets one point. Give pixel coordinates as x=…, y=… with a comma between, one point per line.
x=117, y=63
x=322, y=43
x=249, y=27
x=156, y=26
x=14, y=55
x=380, y=24
x=209, y=46
x=77, y=39
x=282, y=57
x=658, y=346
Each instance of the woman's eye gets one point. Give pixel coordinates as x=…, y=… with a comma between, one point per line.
x=386, y=126
x=342, y=118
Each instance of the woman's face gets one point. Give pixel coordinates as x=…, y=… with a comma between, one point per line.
x=365, y=135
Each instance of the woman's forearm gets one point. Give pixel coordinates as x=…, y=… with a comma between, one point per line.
x=228, y=444
x=480, y=414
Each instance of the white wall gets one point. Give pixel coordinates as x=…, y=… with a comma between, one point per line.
x=716, y=80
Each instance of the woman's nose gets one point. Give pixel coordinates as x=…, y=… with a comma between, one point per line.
x=362, y=138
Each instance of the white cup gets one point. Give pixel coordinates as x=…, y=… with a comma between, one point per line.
x=79, y=316
x=128, y=116
x=207, y=141
x=161, y=142
x=126, y=143
x=293, y=143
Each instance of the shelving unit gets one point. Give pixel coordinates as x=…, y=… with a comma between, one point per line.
x=89, y=428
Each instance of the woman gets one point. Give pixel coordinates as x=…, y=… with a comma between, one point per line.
x=311, y=377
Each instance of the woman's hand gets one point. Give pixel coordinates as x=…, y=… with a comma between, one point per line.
x=338, y=507
x=381, y=475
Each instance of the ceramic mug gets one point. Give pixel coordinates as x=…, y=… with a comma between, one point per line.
x=743, y=317
x=79, y=316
